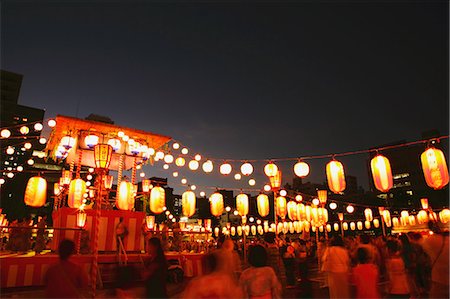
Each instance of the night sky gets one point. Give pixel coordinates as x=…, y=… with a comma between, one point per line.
x=239, y=81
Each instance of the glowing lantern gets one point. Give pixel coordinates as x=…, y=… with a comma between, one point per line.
x=336, y=227
x=77, y=189
x=333, y=206
x=367, y=224
x=157, y=200
x=412, y=220
x=125, y=198
x=216, y=231
x=345, y=226
x=225, y=168
x=5, y=133
x=434, y=168
x=298, y=198
x=376, y=223
x=208, y=166
x=81, y=218
x=242, y=204
x=395, y=221
x=56, y=189
x=260, y=229
x=102, y=155
x=36, y=192
x=150, y=221
x=422, y=217
x=67, y=142
x=292, y=210
x=308, y=213
x=352, y=225
x=381, y=173
x=301, y=211
x=180, y=161
x=368, y=214
x=193, y=165
x=146, y=185
x=350, y=209
x=188, y=203
x=335, y=176
x=24, y=130
x=115, y=143
x=322, y=194
x=444, y=215
x=216, y=204
x=239, y=230
x=91, y=140
x=275, y=181
x=328, y=227
x=108, y=181
x=246, y=168
x=387, y=218
x=281, y=206
x=432, y=216
x=301, y=169
x=233, y=230
x=424, y=202
x=263, y=205
x=270, y=169
x=253, y=229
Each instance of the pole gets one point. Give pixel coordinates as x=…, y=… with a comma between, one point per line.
x=342, y=231
x=382, y=226
x=96, y=233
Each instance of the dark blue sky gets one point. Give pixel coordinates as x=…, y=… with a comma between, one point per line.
x=239, y=81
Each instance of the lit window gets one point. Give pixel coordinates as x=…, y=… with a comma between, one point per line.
x=409, y=192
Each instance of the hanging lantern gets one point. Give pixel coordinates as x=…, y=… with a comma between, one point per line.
x=246, y=168
x=208, y=166
x=434, y=168
x=91, y=140
x=350, y=209
x=341, y=216
x=242, y=204
x=115, y=143
x=225, y=168
x=422, y=217
x=279, y=227
x=301, y=212
x=322, y=194
x=367, y=224
x=432, y=216
x=108, y=181
x=239, y=230
x=146, y=184
x=233, y=231
x=216, y=204
x=424, y=202
x=188, y=203
x=67, y=142
x=208, y=224
x=352, y=225
x=180, y=161
x=275, y=180
x=292, y=210
x=376, y=223
x=308, y=213
x=253, y=229
x=270, y=169
x=247, y=230
x=333, y=206
x=291, y=228
x=381, y=173
x=216, y=231
x=368, y=214
x=150, y=221
x=102, y=155
x=157, y=200
x=263, y=204
x=298, y=198
x=336, y=227
x=395, y=221
x=56, y=189
x=36, y=192
x=260, y=229
x=444, y=215
x=412, y=220
x=281, y=206
x=77, y=189
x=387, y=218
x=66, y=177
x=81, y=218
x=301, y=169
x=193, y=165
x=168, y=158
x=335, y=176
x=345, y=225
x=125, y=198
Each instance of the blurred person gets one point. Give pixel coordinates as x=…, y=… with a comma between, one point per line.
x=305, y=289
x=156, y=268
x=229, y=261
x=273, y=255
x=259, y=280
x=422, y=275
x=126, y=282
x=396, y=271
x=121, y=233
x=289, y=266
x=409, y=258
x=365, y=241
x=336, y=264
x=65, y=279
x=40, y=244
x=365, y=276
x=215, y=284
x=436, y=245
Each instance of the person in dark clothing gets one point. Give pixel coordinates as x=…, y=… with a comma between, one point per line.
x=156, y=268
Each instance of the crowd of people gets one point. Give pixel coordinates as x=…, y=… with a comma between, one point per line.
x=408, y=265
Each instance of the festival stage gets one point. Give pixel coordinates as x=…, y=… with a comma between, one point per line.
x=23, y=270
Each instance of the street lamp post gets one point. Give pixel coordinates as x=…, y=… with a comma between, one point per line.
x=341, y=218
